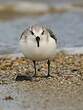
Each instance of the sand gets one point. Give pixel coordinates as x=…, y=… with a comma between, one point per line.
x=19, y=90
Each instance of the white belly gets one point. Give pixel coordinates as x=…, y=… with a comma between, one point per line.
x=46, y=50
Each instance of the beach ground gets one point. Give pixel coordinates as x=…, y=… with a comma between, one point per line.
x=19, y=90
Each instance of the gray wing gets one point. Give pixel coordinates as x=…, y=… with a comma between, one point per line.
x=21, y=35
x=52, y=34
x=24, y=33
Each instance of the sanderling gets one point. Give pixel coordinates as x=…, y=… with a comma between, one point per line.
x=38, y=43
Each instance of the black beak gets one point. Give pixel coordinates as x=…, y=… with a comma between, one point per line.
x=37, y=39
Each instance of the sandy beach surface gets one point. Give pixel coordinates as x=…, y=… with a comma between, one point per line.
x=20, y=91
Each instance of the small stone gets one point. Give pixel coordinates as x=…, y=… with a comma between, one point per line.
x=8, y=98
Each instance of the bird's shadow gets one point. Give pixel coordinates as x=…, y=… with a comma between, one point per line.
x=27, y=78
x=23, y=77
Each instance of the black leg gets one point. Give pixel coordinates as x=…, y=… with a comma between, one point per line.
x=34, y=62
x=48, y=68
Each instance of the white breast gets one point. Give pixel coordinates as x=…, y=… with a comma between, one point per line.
x=46, y=50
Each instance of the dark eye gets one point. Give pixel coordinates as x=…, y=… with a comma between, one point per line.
x=42, y=33
x=32, y=33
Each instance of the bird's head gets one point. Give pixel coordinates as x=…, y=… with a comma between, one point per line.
x=36, y=33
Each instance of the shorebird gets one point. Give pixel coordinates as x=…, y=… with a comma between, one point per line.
x=38, y=43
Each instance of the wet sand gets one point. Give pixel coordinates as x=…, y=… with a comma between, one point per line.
x=19, y=90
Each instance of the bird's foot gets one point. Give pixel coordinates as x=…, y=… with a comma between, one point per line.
x=34, y=75
x=48, y=76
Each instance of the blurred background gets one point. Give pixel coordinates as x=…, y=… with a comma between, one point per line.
x=64, y=17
